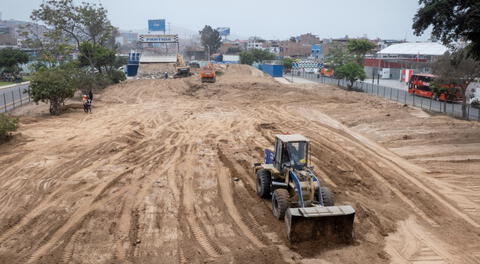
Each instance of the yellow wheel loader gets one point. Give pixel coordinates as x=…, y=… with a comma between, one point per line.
x=297, y=195
x=182, y=69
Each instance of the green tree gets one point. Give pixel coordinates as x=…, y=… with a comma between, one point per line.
x=287, y=63
x=456, y=71
x=102, y=59
x=10, y=59
x=78, y=23
x=211, y=39
x=338, y=55
x=7, y=125
x=56, y=50
x=255, y=55
x=246, y=57
x=83, y=23
x=359, y=48
x=450, y=21
x=262, y=55
x=52, y=86
x=352, y=72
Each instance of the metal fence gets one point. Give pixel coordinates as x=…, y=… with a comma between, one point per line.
x=398, y=95
x=13, y=96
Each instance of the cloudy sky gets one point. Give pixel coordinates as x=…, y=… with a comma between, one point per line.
x=272, y=19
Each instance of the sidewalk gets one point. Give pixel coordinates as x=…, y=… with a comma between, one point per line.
x=389, y=83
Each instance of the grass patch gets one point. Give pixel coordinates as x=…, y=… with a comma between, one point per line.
x=5, y=83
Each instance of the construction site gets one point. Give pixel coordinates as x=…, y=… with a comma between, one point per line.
x=163, y=171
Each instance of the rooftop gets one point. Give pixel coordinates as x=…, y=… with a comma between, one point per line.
x=422, y=48
x=291, y=138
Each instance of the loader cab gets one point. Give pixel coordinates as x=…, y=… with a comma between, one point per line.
x=291, y=151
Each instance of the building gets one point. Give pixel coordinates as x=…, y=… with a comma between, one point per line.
x=308, y=38
x=317, y=52
x=389, y=62
x=254, y=45
x=294, y=49
x=7, y=36
x=228, y=46
x=385, y=43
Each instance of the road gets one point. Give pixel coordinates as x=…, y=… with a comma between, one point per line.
x=397, y=92
x=10, y=96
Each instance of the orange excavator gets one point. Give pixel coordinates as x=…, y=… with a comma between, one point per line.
x=207, y=74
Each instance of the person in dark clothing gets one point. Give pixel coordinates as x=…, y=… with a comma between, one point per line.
x=90, y=95
x=89, y=106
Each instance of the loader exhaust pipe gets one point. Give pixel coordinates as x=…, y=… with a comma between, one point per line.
x=330, y=223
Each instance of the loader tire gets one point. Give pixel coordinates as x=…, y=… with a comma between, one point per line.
x=327, y=195
x=264, y=180
x=280, y=203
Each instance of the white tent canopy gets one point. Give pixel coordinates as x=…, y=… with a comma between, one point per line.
x=421, y=48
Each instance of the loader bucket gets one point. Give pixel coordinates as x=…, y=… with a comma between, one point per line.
x=329, y=223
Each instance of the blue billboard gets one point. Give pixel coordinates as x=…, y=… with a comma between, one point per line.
x=224, y=31
x=156, y=25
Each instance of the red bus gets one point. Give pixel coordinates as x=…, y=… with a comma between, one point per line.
x=420, y=85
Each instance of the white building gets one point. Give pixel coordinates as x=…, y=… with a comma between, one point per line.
x=254, y=45
x=414, y=50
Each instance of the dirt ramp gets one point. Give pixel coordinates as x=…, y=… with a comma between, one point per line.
x=244, y=73
x=155, y=69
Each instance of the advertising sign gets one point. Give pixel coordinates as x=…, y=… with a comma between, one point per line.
x=152, y=38
x=156, y=25
x=224, y=31
x=386, y=73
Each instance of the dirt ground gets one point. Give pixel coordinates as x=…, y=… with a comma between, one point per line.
x=161, y=172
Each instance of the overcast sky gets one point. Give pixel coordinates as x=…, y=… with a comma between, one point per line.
x=278, y=19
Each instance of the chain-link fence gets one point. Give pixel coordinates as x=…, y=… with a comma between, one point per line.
x=13, y=96
x=399, y=95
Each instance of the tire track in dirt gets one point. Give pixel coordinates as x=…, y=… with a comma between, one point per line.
x=400, y=166
x=412, y=244
x=38, y=210
x=225, y=181
x=95, y=204
x=189, y=204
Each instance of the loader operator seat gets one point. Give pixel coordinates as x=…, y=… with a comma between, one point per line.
x=294, y=155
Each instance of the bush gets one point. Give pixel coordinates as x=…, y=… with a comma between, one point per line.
x=53, y=86
x=117, y=76
x=7, y=125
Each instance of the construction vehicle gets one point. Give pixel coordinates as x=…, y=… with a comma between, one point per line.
x=327, y=72
x=297, y=195
x=207, y=74
x=182, y=69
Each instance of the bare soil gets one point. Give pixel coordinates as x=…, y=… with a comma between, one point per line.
x=161, y=172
